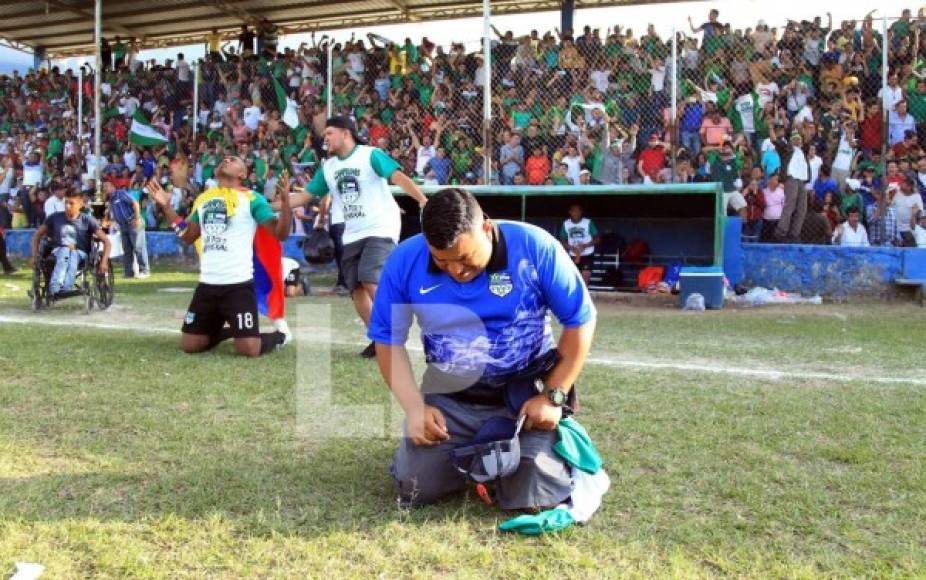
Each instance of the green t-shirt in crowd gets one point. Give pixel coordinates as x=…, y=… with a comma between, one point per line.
x=208, y=163
x=726, y=172
x=521, y=119
x=917, y=105
x=289, y=151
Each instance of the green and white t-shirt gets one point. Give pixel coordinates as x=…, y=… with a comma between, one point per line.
x=228, y=219
x=580, y=232
x=360, y=187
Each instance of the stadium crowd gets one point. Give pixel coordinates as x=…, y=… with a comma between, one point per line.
x=789, y=120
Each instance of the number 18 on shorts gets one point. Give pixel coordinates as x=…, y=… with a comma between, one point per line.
x=213, y=306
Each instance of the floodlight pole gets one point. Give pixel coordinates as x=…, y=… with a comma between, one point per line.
x=487, y=92
x=885, y=131
x=97, y=92
x=195, y=98
x=673, y=123
x=330, y=77
x=80, y=105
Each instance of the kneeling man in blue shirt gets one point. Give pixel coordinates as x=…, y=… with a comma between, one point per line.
x=481, y=291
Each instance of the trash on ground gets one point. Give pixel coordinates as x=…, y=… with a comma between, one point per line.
x=694, y=302
x=759, y=296
x=27, y=571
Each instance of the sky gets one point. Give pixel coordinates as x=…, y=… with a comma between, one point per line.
x=740, y=13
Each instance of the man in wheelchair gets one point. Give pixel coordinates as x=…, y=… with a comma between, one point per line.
x=70, y=233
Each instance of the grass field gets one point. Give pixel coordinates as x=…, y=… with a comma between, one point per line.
x=772, y=442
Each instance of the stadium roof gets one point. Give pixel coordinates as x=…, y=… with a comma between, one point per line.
x=65, y=27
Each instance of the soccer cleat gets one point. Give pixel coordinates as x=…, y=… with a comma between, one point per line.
x=143, y=275
x=369, y=351
x=282, y=327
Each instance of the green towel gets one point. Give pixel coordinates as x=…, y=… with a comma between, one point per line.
x=576, y=447
x=552, y=520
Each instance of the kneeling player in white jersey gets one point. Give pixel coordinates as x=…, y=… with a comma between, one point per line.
x=226, y=218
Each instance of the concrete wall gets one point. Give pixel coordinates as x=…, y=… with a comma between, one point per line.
x=826, y=270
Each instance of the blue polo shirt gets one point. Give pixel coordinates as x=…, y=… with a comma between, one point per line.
x=821, y=188
x=493, y=325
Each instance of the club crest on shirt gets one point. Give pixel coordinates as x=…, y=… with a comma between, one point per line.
x=500, y=284
x=189, y=318
x=214, y=217
x=349, y=188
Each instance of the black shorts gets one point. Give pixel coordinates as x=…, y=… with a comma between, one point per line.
x=363, y=260
x=214, y=305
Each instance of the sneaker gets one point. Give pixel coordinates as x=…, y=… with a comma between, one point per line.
x=280, y=326
x=341, y=290
x=143, y=275
x=369, y=351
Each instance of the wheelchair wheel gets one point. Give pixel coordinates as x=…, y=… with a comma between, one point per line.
x=104, y=286
x=36, y=293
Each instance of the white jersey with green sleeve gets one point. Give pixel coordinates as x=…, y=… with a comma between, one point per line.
x=227, y=240
x=581, y=232
x=359, y=184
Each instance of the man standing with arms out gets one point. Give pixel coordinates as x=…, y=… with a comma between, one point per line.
x=481, y=292
x=358, y=177
x=226, y=218
x=579, y=236
x=794, y=172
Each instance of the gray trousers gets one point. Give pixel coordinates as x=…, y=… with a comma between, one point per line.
x=794, y=212
x=425, y=474
x=841, y=175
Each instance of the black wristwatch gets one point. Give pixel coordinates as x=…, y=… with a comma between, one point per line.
x=556, y=396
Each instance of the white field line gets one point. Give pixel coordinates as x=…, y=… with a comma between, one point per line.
x=603, y=359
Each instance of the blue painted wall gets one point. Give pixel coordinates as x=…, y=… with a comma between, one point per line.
x=160, y=245
x=826, y=270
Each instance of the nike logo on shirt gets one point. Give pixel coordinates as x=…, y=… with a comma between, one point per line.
x=422, y=290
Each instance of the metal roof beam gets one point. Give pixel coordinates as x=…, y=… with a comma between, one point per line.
x=91, y=16
x=401, y=6
x=349, y=13
x=12, y=44
x=243, y=14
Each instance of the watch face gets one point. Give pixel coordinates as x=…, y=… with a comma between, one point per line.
x=557, y=397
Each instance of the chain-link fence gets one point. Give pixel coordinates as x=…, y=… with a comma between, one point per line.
x=801, y=122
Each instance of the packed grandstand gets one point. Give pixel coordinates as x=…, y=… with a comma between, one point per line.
x=590, y=107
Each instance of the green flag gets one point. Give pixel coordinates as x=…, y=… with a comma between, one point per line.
x=143, y=134
x=289, y=112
